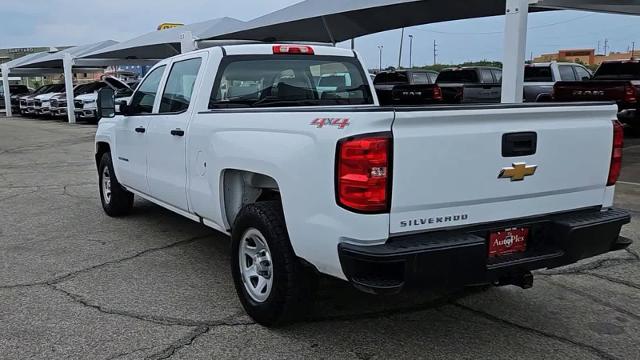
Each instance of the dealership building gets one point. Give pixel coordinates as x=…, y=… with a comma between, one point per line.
x=584, y=56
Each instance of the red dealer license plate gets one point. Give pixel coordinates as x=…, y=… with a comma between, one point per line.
x=508, y=241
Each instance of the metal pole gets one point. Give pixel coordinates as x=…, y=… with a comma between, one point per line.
x=633, y=50
x=435, y=52
x=67, y=65
x=515, y=45
x=187, y=43
x=6, y=89
x=411, y=51
x=400, y=53
x=380, y=47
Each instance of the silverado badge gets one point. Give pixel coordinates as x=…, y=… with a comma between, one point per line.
x=518, y=172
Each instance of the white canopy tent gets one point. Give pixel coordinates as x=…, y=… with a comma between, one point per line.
x=166, y=43
x=6, y=70
x=339, y=20
x=69, y=59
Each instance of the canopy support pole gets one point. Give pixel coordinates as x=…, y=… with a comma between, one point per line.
x=187, y=42
x=67, y=66
x=515, y=46
x=326, y=27
x=7, y=90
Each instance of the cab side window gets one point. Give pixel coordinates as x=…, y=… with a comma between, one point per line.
x=486, y=77
x=179, y=87
x=566, y=73
x=582, y=73
x=143, y=99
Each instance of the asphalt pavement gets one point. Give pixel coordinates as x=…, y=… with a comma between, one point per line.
x=77, y=284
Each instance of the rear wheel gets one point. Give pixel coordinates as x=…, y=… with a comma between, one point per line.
x=116, y=201
x=270, y=280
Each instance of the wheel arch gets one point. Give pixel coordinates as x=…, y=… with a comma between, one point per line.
x=102, y=147
x=244, y=187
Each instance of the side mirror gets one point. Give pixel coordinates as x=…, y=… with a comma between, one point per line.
x=106, y=103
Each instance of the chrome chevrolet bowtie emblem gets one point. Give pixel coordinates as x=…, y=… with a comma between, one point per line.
x=518, y=172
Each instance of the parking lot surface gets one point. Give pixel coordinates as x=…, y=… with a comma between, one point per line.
x=75, y=283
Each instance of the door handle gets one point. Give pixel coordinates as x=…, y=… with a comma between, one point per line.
x=177, y=132
x=140, y=130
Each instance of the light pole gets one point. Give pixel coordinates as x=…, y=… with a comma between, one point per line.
x=380, y=47
x=410, y=51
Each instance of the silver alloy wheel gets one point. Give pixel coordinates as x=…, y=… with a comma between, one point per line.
x=106, y=185
x=256, y=267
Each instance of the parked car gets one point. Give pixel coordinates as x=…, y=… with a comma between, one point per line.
x=42, y=102
x=33, y=104
x=617, y=81
x=24, y=100
x=470, y=84
x=58, y=102
x=16, y=91
x=407, y=87
x=386, y=198
x=539, y=78
x=85, y=102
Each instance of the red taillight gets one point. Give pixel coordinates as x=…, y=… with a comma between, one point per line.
x=293, y=49
x=630, y=94
x=437, y=93
x=363, y=166
x=616, y=153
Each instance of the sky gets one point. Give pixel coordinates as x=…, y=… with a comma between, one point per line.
x=29, y=23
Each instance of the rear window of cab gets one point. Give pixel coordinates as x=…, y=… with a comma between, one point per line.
x=255, y=81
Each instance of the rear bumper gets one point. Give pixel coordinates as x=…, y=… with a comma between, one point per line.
x=459, y=257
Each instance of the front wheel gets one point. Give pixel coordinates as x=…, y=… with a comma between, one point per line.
x=116, y=201
x=270, y=280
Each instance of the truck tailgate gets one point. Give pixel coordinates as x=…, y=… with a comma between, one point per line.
x=447, y=163
x=600, y=90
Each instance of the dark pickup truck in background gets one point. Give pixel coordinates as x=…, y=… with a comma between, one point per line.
x=16, y=91
x=470, y=84
x=617, y=81
x=407, y=87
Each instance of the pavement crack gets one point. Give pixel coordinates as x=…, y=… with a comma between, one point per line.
x=578, y=269
x=70, y=275
x=594, y=298
x=155, y=319
x=592, y=349
x=613, y=280
x=127, y=353
x=187, y=340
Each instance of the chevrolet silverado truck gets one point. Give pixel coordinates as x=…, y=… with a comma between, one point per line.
x=479, y=84
x=539, y=78
x=238, y=139
x=617, y=81
x=407, y=87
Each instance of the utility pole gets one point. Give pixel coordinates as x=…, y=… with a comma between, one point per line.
x=400, y=54
x=599, y=47
x=380, y=47
x=606, y=46
x=411, y=51
x=435, y=52
x=633, y=50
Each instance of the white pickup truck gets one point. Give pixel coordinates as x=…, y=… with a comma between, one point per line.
x=308, y=181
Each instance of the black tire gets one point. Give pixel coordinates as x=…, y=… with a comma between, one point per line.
x=293, y=283
x=120, y=201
